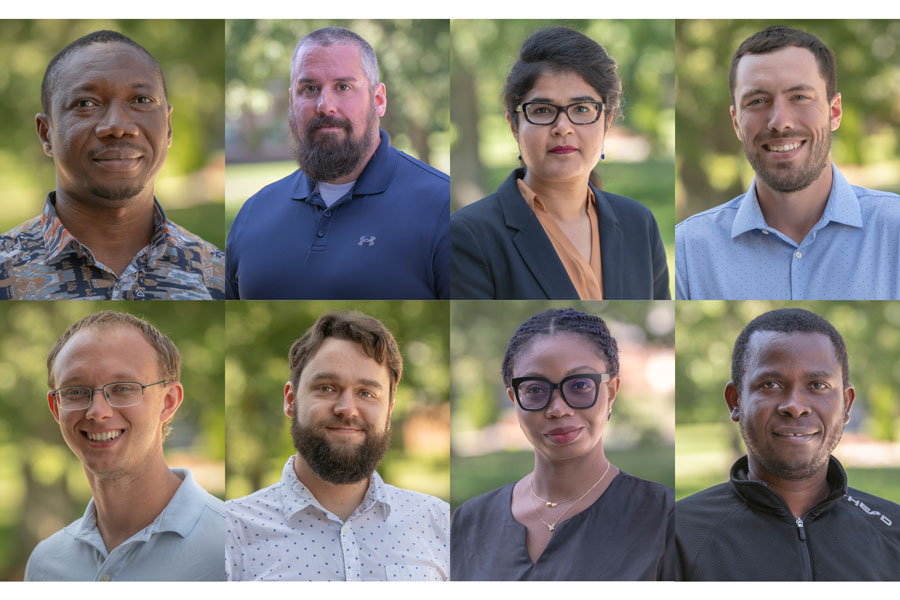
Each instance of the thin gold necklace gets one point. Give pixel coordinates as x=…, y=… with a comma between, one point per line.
x=552, y=526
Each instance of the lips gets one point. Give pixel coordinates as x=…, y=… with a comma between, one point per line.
x=563, y=435
x=103, y=438
x=794, y=434
x=117, y=158
x=563, y=150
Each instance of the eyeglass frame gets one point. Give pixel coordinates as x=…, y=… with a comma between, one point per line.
x=597, y=378
x=56, y=392
x=559, y=109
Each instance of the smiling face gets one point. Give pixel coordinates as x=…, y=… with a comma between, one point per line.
x=113, y=442
x=783, y=117
x=561, y=151
x=334, y=111
x=560, y=432
x=793, y=405
x=340, y=411
x=110, y=127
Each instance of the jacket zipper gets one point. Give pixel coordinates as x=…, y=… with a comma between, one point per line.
x=801, y=531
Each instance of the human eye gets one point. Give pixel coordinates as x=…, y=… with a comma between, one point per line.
x=583, y=108
x=74, y=392
x=309, y=89
x=819, y=386
x=85, y=103
x=344, y=87
x=124, y=388
x=368, y=395
x=144, y=100
x=325, y=388
x=770, y=385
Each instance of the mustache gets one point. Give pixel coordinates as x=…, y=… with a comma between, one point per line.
x=328, y=121
x=793, y=133
x=349, y=423
x=120, y=145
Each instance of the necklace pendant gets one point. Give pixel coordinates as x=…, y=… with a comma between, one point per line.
x=551, y=527
x=552, y=504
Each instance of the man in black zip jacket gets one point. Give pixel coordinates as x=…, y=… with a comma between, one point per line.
x=787, y=513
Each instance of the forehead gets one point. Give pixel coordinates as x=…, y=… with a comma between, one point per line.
x=346, y=359
x=105, y=63
x=561, y=86
x=559, y=351
x=333, y=61
x=808, y=352
x=780, y=69
x=117, y=351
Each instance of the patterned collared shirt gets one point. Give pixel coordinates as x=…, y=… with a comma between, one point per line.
x=41, y=260
x=283, y=533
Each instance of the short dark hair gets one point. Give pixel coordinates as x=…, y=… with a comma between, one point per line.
x=377, y=342
x=562, y=320
x=104, y=36
x=556, y=50
x=787, y=320
x=777, y=37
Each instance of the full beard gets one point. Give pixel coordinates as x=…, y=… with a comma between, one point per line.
x=326, y=158
x=787, y=178
x=340, y=465
x=795, y=470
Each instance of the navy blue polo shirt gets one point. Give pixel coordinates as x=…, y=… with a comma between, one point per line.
x=386, y=239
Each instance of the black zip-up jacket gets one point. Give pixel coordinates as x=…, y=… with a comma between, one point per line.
x=744, y=531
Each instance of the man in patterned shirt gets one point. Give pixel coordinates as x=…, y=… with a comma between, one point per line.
x=331, y=517
x=107, y=125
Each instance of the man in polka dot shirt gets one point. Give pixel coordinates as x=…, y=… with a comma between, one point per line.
x=331, y=517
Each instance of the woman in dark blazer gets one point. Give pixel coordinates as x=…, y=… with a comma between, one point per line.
x=548, y=232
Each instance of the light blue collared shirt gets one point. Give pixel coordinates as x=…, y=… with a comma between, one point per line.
x=729, y=252
x=184, y=543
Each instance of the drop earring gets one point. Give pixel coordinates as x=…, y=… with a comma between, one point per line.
x=602, y=155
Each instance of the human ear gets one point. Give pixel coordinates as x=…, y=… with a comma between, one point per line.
x=732, y=400
x=836, y=111
x=849, y=397
x=54, y=407
x=289, y=399
x=44, y=130
x=734, y=123
x=171, y=402
x=380, y=99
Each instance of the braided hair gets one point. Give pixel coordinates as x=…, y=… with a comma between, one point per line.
x=562, y=320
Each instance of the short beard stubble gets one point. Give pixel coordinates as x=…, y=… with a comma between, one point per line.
x=794, y=471
x=787, y=178
x=340, y=465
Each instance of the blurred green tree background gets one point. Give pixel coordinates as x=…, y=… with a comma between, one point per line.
x=489, y=449
x=708, y=442
x=260, y=333
x=712, y=168
x=42, y=484
x=639, y=148
x=191, y=185
x=414, y=64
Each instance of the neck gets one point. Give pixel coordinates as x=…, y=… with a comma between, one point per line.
x=565, y=199
x=563, y=480
x=114, y=234
x=795, y=213
x=129, y=502
x=340, y=499
x=800, y=495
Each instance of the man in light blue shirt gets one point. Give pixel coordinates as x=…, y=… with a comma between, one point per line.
x=115, y=388
x=801, y=231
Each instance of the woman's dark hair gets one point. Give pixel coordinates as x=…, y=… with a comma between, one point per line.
x=560, y=50
x=562, y=320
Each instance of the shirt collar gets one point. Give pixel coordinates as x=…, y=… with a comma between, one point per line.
x=179, y=516
x=842, y=207
x=58, y=240
x=374, y=179
x=531, y=197
x=295, y=496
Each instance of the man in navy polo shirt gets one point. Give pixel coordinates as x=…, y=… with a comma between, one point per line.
x=359, y=219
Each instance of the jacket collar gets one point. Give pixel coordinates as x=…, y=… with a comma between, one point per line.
x=537, y=250
x=760, y=496
x=374, y=179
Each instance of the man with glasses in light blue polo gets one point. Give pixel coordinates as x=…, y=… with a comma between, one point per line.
x=114, y=389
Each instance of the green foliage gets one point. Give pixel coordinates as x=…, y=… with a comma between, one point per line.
x=712, y=168
x=191, y=54
x=259, y=337
x=42, y=485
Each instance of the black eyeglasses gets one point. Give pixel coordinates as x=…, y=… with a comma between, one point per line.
x=544, y=113
x=578, y=391
x=120, y=394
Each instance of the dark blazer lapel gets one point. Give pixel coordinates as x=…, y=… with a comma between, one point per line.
x=612, y=246
x=532, y=243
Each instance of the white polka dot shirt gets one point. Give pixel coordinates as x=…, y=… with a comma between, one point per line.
x=283, y=533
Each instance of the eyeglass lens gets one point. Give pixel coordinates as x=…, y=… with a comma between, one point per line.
x=578, y=392
x=580, y=113
x=117, y=394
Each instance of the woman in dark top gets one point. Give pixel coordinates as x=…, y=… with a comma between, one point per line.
x=548, y=231
x=576, y=516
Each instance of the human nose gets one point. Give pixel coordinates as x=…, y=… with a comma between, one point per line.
x=115, y=122
x=781, y=116
x=325, y=104
x=557, y=406
x=562, y=125
x=346, y=406
x=794, y=404
x=99, y=409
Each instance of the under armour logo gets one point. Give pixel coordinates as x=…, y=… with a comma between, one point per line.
x=363, y=239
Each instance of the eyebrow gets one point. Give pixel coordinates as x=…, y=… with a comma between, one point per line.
x=800, y=87
x=347, y=78
x=773, y=374
x=583, y=369
x=90, y=87
x=574, y=99
x=331, y=376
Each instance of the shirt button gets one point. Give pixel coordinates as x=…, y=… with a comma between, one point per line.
x=104, y=577
x=765, y=232
x=321, y=234
x=327, y=213
x=798, y=254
